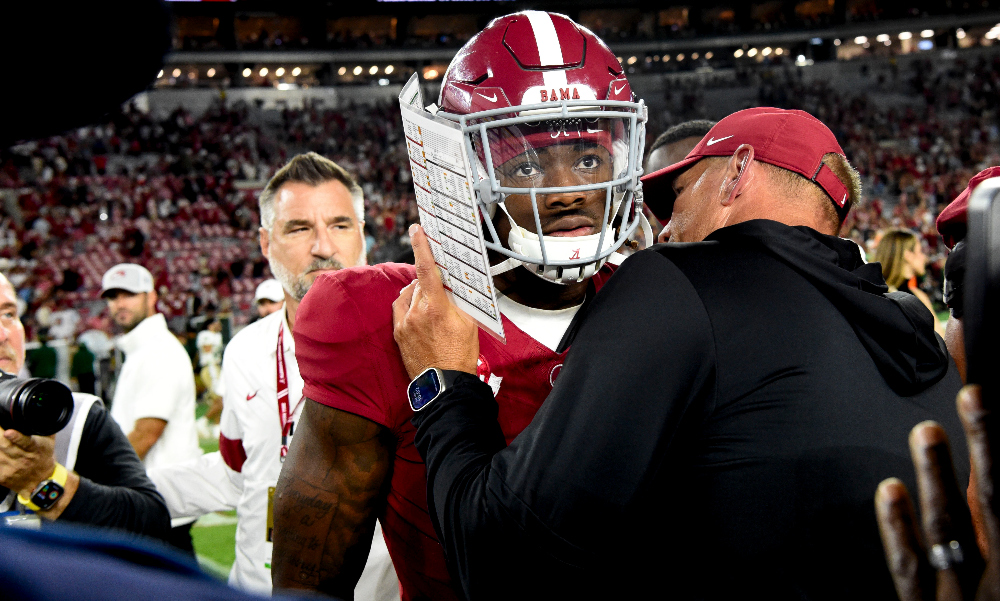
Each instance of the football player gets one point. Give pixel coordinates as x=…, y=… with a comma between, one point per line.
x=561, y=162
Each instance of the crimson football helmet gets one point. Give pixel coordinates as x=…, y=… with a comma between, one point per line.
x=528, y=82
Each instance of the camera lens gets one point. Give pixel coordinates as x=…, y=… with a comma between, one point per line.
x=45, y=407
x=34, y=406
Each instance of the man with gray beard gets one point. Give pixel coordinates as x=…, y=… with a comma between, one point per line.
x=312, y=221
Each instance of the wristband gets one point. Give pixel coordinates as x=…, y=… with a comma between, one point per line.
x=48, y=491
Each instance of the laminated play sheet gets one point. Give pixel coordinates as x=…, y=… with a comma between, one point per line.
x=444, y=188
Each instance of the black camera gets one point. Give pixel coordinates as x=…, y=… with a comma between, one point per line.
x=34, y=406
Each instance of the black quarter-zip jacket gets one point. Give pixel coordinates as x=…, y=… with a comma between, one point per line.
x=723, y=418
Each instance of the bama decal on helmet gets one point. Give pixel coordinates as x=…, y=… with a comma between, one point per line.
x=543, y=94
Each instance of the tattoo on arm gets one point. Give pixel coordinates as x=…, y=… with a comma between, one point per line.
x=332, y=484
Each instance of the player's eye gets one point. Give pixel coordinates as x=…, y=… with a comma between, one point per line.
x=526, y=170
x=591, y=161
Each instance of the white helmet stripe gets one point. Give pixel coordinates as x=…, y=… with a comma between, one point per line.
x=549, y=49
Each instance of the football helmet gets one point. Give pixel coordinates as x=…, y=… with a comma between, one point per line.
x=546, y=112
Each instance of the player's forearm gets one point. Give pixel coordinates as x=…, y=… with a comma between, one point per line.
x=326, y=501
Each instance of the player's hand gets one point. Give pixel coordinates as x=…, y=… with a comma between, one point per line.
x=25, y=460
x=429, y=329
x=946, y=534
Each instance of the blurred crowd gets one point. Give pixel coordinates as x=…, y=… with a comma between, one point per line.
x=178, y=192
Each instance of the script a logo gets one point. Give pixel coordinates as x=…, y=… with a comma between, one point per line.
x=575, y=255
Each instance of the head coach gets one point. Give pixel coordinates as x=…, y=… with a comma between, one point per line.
x=729, y=403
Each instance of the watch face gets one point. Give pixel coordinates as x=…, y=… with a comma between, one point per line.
x=423, y=389
x=47, y=495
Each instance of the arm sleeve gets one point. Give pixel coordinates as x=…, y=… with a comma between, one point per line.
x=235, y=381
x=114, y=489
x=542, y=509
x=344, y=346
x=198, y=486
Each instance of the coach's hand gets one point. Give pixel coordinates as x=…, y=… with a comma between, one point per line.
x=429, y=329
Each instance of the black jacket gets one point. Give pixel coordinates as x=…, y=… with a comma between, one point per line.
x=723, y=418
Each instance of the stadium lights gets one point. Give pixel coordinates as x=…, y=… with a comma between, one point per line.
x=211, y=72
x=631, y=60
x=800, y=59
x=160, y=74
x=680, y=57
x=279, y=71
x=431, y=74
x=694, y=56
x=357, y=70
x=342, y=71
x=905, y=35
x=383, y=82
x=656, y=57
x=373, y=70
x=104, y=216
x=991, y=34
x=960, y=33
x=192, y=75
x=176, y=73
x=882, y=37
x=709, y=55
x=752, y=52
x=666, y=58
x=298, y=71
x=247, y=72
x=860, y=40
x=389, y=69
x=263, y=71
x=738, y=53
x=779, y=51
x=927, y=33
x=836, y=42
x=620, y=60
x=766, y=51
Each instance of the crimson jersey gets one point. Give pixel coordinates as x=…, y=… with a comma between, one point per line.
x=349, y=360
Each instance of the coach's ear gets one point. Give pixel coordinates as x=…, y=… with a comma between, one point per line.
x=739, y=173
x=265, y=242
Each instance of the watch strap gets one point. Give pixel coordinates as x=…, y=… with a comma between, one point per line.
x=59, y=475
x=419, y=392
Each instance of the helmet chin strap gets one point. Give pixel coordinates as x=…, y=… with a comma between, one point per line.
x=614, y=258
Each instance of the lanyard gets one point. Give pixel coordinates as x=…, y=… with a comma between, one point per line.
x=284, y=409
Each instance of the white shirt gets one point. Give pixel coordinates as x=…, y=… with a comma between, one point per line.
x=156, y=381
x=98, y=343
x=545, y=326
x=209, y=345
x=250, y=415
x=63, y=323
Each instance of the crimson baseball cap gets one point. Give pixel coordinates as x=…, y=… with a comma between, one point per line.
x=128, y=277
x=952, y=221
x=793, y=140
